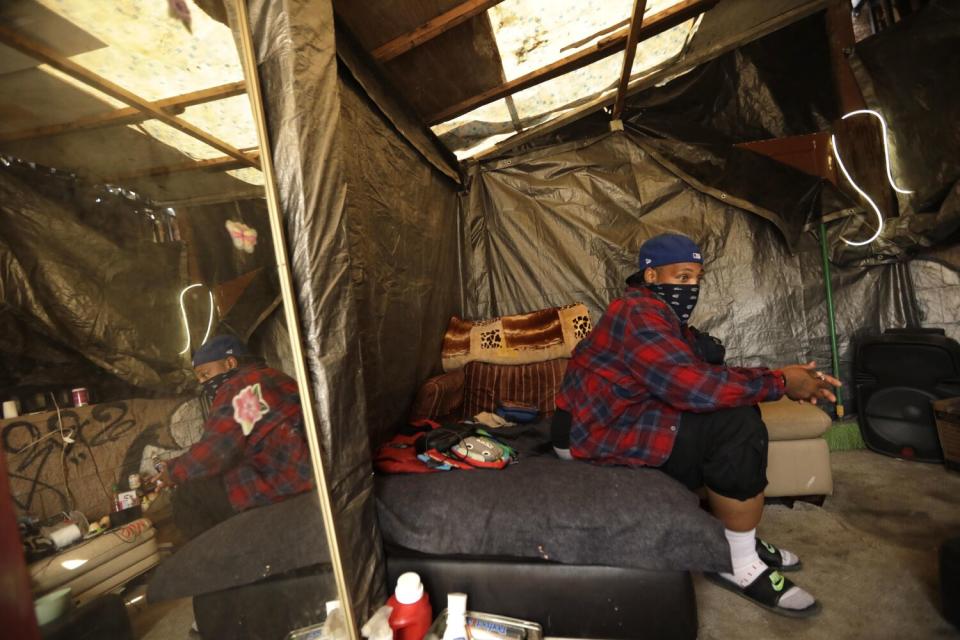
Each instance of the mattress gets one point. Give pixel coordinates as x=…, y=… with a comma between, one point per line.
x=543, y=508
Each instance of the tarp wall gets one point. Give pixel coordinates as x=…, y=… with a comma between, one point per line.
x=296, y=54
x=404, y=240
x=78, y=298
x=565, y=224
x=909, y=73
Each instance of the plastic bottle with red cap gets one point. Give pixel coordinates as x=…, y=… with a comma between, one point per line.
x=412, y=614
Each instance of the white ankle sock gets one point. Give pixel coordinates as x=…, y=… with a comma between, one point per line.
x=747, y=567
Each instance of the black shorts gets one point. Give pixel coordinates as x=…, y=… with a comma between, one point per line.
x=199, y=505
x=725, y=450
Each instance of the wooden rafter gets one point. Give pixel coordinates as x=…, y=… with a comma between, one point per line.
x=656, y=24
x=128, y=115
x=431, y=29
x=636, y=22
x=253, y=193
x=45, y=54
x=223, y=163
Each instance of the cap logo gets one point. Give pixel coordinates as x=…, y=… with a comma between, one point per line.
x=696, y=256
x=647, y=260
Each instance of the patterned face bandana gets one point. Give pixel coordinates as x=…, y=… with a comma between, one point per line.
x=682, y=298
x=210, y=386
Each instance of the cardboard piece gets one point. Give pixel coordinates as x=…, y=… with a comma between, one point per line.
x=108, y=444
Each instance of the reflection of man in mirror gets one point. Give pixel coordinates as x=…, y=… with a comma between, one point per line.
x=253, y=451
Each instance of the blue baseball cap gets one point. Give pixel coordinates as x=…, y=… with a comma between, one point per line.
x=668, y=248
x=219, y=348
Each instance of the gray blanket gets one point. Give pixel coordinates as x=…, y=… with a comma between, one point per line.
x=249, y=547
x=543, y=507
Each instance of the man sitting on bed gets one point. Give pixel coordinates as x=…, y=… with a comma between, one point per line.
x=640, y=391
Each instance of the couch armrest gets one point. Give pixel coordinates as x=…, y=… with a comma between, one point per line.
x=439, y=396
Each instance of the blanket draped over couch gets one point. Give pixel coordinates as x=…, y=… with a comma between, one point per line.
x=524, y=338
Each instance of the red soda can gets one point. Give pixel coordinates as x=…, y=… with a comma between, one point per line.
x=81, y=397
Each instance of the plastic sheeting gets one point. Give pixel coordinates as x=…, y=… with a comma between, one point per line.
x=71, y=294
x=218, y=259
x=294, y=42
x=403, y=229
x=400, y=116
x=777, y=86
x=908, y=73
x=565, y=224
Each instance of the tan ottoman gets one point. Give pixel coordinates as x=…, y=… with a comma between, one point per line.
x=799, y=458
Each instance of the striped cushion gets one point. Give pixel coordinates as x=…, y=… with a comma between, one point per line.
x=486, y=385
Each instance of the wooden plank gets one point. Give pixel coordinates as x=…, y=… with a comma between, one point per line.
x=656, y=24
x=636, y=22
x=253, y=193
x=47, y=55
x=431, y=29
x=841, y=39
x=129, y=115
x=223, y=163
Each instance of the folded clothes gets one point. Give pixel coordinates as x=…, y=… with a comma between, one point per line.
x=492, y=420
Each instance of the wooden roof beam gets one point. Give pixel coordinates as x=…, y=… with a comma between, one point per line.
x=128, y=115
x=223, y=163
x=431, y=29
x=45, y=54
x=636, y=22
x=656, y=24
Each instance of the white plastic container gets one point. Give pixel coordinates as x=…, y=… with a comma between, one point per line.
x=456, y=617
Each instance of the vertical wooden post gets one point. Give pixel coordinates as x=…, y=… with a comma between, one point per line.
x=629, y=53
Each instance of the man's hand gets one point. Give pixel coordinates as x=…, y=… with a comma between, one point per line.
x=806, y=384
x=162, y=478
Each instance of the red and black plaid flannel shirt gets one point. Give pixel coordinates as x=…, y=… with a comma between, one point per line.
x=268, y=464
x=630, y=379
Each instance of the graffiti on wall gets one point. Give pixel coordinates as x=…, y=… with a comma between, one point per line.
x=71, y=459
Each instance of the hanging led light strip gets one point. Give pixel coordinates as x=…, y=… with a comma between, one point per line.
x=886, y=146
x=186, y=322
x=876, y=209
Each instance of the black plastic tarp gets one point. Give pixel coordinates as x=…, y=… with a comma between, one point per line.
x=72, y=296
x=218, y=259
x=404, y=240
x=296, y=55
x=909, y=74
x=565, y=224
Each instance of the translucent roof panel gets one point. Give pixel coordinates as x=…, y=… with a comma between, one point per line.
x=481, y=128
x=153, y=55
x=532, y=34
x=569, y=90
x=147, y=51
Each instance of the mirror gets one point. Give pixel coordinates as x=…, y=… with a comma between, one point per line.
x=135, y=228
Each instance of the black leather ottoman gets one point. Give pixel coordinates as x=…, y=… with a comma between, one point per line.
x=571, y=601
